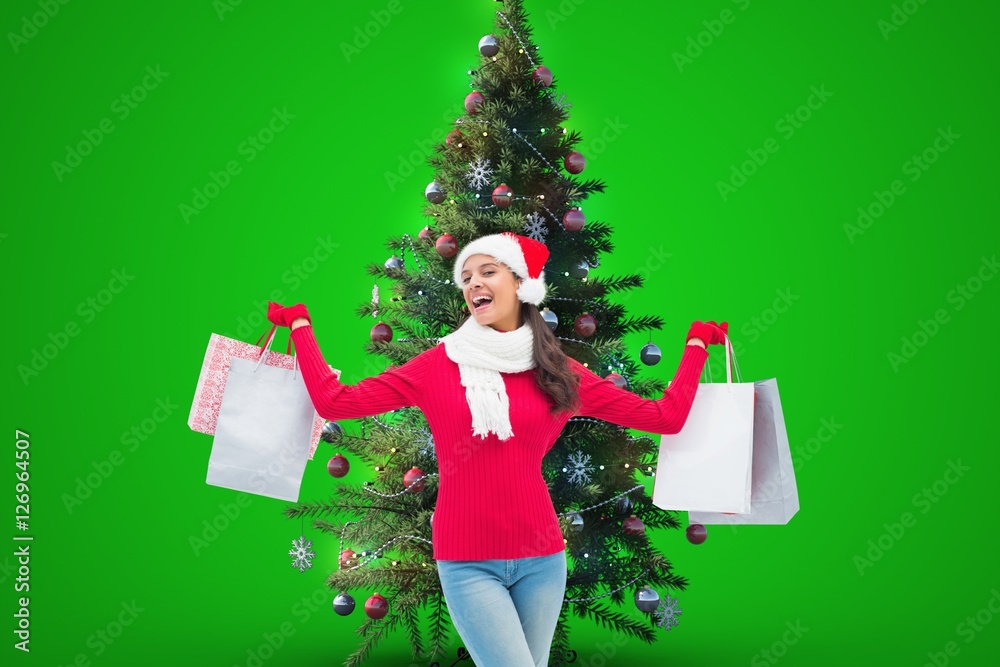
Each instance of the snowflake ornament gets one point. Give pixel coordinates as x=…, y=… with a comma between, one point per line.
x=479, y=173
x=302, y=554
x=535, y=227
x=375, y=301
x=667, y=612
x=579, y=468
x=561, y=101
x=428, y=449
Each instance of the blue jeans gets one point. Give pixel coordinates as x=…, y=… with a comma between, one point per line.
x=505, y=611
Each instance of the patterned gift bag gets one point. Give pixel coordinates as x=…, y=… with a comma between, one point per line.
x=215, y=371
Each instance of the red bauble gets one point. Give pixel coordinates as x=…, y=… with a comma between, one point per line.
x=503, y=195
x=573, y=220
x=473, y=101
x=634, y=525
x=696, y=533
x=425, y=234
x=381, y=332
x=542, y=76
x=376, y=606
x=446, y=245
x=574, y=162
x=347, y=558
x=454, y=137
x=618, y=380
x=585, y=325
x=338, y=466
x=411, y=476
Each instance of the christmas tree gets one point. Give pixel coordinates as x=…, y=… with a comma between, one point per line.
x=507, y=165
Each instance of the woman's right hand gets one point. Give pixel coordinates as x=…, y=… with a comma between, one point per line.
x=284, y=317
x=709, y=332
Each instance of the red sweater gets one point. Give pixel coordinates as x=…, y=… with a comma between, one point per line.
x=492, y=500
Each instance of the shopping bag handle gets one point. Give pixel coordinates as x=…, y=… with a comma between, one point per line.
x=267, y=348
x=730, y=363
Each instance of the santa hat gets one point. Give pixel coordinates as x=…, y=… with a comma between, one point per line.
x=523, y=255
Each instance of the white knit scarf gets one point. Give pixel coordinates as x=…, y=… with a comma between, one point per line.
x=482, y=353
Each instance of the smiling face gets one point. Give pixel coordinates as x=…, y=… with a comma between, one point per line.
x=484, y=276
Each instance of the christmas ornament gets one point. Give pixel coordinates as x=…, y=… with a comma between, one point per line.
x=454, y=137
x=377, y=606
x=488, y=46
x=542, y=76
x=503, y=195
x=435, y=193
x=425, y=234
x=446, y=245
x=647, y=599
x=332, y=432
x=411, y=476
x=479, y=173
x=574, y=162
x=624, y=504
x=585, y=325
x=535, y=227
x=343, y=604
x=302, y=554
x=381, y=332
x=650, y=354
x=619, y=381
x=338, y=466
x=573, y=220
x=394, y=263
x=576, y=520
x=633, y=525
x=580, y=270
x=550, y=318
x=348, y=558
x=696, y=533
x=473, y=101
x=579, y=468
x=666, y=613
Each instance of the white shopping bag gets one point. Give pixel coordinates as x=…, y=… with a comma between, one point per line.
x=707, y=465
x=262, y=434
x=774, y=497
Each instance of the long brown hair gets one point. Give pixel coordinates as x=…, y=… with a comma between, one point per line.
x=553, y=374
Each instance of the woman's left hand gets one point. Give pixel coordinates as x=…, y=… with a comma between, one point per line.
x=283, y=316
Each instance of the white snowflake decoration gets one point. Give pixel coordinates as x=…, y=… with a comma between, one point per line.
x=479, y=173
x=667, y=612
x=579, y=468
x=302, y=554
x=561, y=101
x=429, y=447
x=535, y=227
x=375, y=301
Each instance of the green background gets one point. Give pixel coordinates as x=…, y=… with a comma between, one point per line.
x=809, y=304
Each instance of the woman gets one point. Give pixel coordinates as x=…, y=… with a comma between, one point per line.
x=499, y=550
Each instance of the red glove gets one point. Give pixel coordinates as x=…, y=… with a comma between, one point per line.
x=284, y=317
x=710, y=332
